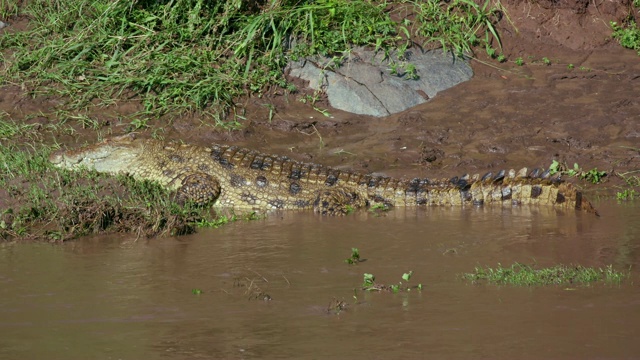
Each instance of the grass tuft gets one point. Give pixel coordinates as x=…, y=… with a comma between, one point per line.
x=459, y=24
x=525, y=275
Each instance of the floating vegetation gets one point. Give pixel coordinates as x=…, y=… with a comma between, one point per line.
x=369, y=284
x=526, y=275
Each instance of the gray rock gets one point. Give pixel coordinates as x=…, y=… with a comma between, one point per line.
x=3, y=24
x=365, y=84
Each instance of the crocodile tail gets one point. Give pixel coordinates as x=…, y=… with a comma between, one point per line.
x=537, y=187
x=585, y=205
x=569, y=195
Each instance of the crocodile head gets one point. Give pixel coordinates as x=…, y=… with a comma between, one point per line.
x=114, y=155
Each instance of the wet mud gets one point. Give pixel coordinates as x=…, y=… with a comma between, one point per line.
x=520, y=116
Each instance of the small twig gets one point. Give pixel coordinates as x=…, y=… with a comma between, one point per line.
x=315, y=131
x=491, y=65
x=263, y=278
x=342, y=151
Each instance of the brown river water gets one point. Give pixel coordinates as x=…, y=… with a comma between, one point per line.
x=127, y=298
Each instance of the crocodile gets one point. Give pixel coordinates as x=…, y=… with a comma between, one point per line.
x=231, y=176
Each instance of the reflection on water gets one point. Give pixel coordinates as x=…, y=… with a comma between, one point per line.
x=124, y=298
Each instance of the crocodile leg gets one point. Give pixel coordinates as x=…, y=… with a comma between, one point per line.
x=199, y=188
x=338, y=202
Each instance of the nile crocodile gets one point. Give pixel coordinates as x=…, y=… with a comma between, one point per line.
x=231, y=176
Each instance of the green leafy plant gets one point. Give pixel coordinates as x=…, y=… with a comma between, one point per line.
x=554, y=167
x=546, y=61
x=519, y=61
x=410, y=71
x=138, y=124
x=369, y=284
x=405, y=277
x=575, y=171
x=628, y=35
x=354, y=258
x=368, y=281
x=490, y=51
x=594, y=176
x=393, y=68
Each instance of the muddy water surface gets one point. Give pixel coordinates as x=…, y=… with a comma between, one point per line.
x=122, y=298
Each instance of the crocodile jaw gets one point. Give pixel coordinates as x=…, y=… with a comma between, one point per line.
x=113, y=156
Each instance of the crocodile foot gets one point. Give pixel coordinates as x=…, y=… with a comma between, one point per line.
x=199, y=188
x=338, y=202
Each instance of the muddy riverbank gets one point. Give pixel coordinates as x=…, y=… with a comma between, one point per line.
x=573, y=99
x=566, y=94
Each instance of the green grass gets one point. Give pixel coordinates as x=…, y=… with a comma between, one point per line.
x=632, y=181
x=458, y=24
x=525, y=275
x=628, y=35
x=196, y=55
x=8, y=8
x=626, y=194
